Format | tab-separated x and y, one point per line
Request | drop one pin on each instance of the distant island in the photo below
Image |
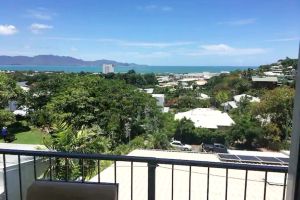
54	60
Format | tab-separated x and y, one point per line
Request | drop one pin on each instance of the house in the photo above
21	111
272	73
23	85
12	106
201	82
168	84
149	90
264	82
203	96
239	98
166	109
229	105
160	98
207	118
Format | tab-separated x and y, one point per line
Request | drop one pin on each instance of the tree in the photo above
65	138
222	96
113	105
276	107
245	131
159	141
6	118
8	90
185	130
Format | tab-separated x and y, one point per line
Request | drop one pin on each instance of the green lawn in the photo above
34	136
24	134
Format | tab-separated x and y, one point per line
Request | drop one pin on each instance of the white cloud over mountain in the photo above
239	22
41	14
38	28
224	49
8	30
153	7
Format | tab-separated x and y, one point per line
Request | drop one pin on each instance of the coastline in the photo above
123	69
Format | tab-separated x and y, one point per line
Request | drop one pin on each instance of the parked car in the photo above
178	145
216	147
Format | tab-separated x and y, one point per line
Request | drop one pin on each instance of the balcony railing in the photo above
43	165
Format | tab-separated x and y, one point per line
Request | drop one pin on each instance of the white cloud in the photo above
156	54
126	43
239	22
223	49
155	44
166	8
73	49
153	7
39	28
284	39
41	14
8	30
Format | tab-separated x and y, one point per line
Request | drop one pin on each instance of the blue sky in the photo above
159	32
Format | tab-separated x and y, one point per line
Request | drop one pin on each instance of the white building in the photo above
160	99
149	90
23	85
265	79
206	118
108	68
229	105
12	106
201	82
203	96
239	98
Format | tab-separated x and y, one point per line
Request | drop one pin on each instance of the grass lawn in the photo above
26	135
34	136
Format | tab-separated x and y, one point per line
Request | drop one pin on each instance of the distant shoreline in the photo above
123	69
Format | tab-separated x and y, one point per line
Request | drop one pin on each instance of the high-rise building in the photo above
107	68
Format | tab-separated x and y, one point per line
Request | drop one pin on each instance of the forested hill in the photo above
54	60
287	62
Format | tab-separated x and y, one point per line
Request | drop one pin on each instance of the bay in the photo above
122	69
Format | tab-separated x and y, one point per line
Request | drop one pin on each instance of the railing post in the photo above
151	180
293	187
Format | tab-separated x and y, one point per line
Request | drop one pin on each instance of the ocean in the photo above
121	69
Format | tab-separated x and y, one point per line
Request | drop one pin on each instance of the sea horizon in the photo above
165	69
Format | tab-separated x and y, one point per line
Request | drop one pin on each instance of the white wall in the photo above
27	175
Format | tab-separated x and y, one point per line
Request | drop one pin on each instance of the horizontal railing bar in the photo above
241	166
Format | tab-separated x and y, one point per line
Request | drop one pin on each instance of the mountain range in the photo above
55	61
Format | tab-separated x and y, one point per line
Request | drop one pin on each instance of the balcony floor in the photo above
236	179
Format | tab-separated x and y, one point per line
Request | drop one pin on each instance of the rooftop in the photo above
206	117
264	79
232	104
158	95
238	98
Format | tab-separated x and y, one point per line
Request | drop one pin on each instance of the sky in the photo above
158	32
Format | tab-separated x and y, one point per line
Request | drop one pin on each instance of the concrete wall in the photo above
27	176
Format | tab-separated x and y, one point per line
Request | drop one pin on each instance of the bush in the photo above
201	135
6	118
187	133
40	118
160	141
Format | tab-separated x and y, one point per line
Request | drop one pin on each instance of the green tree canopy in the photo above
276	107
113	105
8	90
